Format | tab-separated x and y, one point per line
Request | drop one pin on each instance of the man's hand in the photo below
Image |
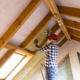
36	41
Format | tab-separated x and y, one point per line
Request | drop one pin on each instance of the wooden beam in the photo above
63	59
21	50
6	57
36	31
74	32
19	22
72	24
75	38
60	35
53	8
62	42
55	28
68	11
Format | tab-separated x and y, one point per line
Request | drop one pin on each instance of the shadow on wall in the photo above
78	56
65	72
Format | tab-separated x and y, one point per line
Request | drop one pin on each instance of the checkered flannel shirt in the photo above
51	54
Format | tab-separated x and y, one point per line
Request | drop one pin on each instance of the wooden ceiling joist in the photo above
21	50
74	32
72	24
5	58
75	38
54	10
19	22
60	35
36	31
62	42
68	11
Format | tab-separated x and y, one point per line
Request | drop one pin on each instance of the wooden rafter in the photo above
62	42
60	35
53	8
5	58
72	24
75	38
19	22
11	46
74	32
68	11
36	31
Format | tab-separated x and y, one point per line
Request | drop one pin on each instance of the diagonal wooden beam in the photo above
5	58
62	42
60	35
72	24
19	22
74	32
52	6
68	11
36	31
21	50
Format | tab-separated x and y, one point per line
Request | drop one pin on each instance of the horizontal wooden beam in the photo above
72	24
6	57
74	32
75	38
21	50
19	22
62	42
52	6
68	11
36	31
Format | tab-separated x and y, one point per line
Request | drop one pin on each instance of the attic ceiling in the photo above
24	20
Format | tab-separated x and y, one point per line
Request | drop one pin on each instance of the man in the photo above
51	54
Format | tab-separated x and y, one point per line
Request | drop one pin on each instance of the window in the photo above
11	65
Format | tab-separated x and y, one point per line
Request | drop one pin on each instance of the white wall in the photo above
71	47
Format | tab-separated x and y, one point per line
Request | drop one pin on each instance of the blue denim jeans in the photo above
51	73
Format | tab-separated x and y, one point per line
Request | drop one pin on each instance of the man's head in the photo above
52	38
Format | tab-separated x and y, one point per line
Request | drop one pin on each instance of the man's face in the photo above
52	41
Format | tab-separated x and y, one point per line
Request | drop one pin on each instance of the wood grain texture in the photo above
19	22
68	11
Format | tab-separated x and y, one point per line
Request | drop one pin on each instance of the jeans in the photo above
51	73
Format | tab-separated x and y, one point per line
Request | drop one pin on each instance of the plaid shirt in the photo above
51	54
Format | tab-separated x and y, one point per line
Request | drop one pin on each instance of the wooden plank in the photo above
19	22
60	35
21	50
68	11
72	24
62	42
36	31
75	38
6	57
52	6
74	32
63	59
55	28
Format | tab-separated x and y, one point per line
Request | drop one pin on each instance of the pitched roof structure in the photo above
22	21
